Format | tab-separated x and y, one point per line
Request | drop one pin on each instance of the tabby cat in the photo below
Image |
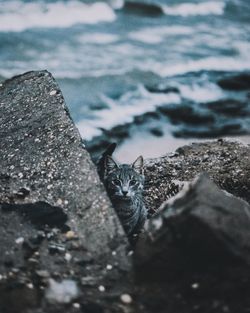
124	184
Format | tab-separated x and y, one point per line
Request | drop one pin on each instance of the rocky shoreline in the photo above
206	120
63	248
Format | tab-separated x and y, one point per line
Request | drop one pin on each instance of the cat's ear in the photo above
138	165
110	164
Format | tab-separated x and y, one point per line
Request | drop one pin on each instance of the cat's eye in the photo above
116	182
132	182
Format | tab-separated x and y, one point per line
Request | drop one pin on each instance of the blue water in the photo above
104	57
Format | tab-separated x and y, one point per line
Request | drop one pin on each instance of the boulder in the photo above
237	82
202	227
142	8
226	162
56	219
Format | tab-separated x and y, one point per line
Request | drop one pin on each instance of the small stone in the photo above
70	235
43	273
53	92
61	292
195	286
76	305
126	298
101	288
68	257
20	175
59	201
109	267
30	286
19	240
54	248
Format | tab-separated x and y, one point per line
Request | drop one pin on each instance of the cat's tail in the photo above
101	161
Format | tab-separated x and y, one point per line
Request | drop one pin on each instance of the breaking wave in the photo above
17	16
189	9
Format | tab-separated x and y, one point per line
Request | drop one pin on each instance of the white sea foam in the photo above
116	4
129	105
239	62
157	34
201	92
18	16
98	38
190	9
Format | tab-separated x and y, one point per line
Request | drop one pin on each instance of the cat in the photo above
124	184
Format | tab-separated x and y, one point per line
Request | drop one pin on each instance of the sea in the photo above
149	75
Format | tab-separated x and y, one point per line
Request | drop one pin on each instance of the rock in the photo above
48	187
226	162
187	115
160	89
156	131
229	107
62	292
40	141
201	228
144	9
215	131
237	82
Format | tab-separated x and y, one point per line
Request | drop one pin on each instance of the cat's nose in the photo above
124	192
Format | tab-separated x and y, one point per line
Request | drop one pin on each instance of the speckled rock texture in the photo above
227	163
201	227
56	219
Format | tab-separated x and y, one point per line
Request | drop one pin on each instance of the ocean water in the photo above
129	75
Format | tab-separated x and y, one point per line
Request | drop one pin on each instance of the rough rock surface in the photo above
56	219
226	162
194	254
62	248
203	225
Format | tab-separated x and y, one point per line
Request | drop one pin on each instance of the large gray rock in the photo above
226	162
202	227
48	186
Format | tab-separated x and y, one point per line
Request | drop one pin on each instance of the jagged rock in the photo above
229	107
162	89
202	227
226	162
186	115
49	185
237	82
144	9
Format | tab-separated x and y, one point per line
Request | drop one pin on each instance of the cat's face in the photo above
124	181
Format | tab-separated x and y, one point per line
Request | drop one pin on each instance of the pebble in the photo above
101	288
30	286
70	235
195	286
126	298
68	257
109	267
59	201
53	92
76	305
19	240
43	273
61	292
